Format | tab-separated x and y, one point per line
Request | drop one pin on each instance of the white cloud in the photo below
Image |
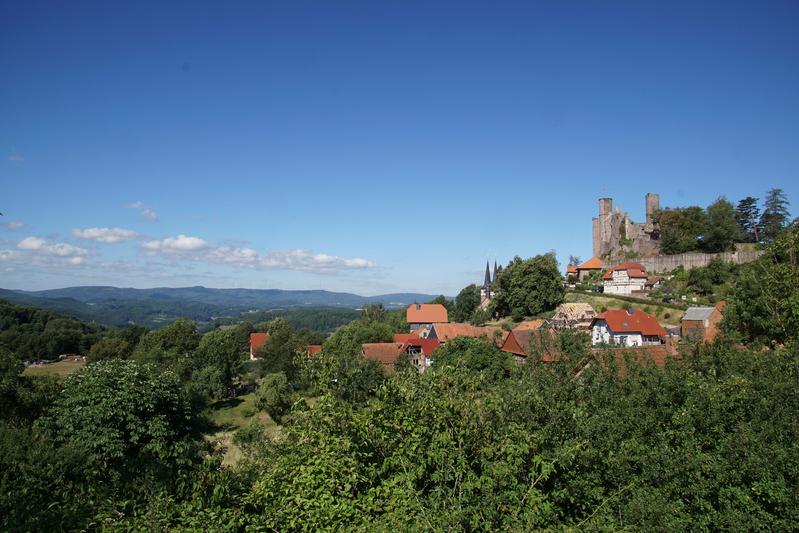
44	247
197	249
14	225
181	243
145	212
105	235
16	158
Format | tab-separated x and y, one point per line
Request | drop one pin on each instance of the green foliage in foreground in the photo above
709	442
707	445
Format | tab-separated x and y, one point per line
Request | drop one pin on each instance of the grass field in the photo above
664	315
61	368
230	415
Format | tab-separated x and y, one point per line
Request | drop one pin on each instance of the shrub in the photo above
274	396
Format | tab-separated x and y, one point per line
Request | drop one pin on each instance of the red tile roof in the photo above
383	352
521	341
448	331
403	337
594	263
426	314
634	270
313	349
571	269
427	346
257	340
620	321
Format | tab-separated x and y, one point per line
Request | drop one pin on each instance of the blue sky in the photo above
371	147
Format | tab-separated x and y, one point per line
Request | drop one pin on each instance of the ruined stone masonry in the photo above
616	238
614	233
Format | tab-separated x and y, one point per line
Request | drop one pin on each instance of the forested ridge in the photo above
590	441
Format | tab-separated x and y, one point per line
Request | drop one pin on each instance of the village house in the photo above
256	341
523	343
418	349
313	349
625	279
573	315
448	331
701	323
385	353
592	265
626	327
423	315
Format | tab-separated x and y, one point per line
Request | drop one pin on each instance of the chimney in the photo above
418	306
630	310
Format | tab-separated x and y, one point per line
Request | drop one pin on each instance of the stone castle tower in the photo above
614	233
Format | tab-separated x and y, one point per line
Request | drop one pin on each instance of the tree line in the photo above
719	226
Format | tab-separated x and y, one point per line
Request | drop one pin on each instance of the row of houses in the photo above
614	328
626	278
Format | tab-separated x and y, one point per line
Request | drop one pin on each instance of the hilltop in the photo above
116	306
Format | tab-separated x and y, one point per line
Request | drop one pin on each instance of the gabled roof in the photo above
594	263
634	270
426	313
449	331
621	321
571	269
520	342
427	346
313	349
574	309
404	337
383	352
698	313
257	340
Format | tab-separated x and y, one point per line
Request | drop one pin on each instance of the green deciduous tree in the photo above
169	344
275	396
529	286
681	229
472	355
223	351
465	303
763	305
277	354
109	348
723	230
126	416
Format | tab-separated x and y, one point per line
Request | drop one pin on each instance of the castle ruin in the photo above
615	234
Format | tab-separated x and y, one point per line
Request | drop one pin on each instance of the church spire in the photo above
495	271
487	282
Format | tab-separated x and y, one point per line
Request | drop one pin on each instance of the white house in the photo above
622	327
625	278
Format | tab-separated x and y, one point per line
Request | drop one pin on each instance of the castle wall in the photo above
667	263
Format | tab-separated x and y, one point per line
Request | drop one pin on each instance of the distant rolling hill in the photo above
117	306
